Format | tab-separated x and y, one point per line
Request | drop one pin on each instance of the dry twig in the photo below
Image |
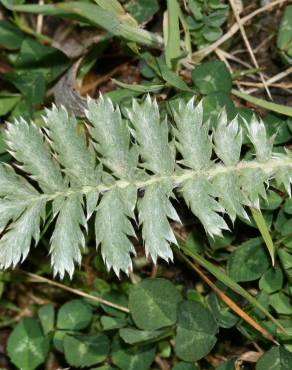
40	19
227	300
247	44
201	54
271	81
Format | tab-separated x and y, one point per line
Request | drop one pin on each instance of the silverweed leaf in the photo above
115	170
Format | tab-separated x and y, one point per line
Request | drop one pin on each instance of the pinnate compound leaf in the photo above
27	346
113	168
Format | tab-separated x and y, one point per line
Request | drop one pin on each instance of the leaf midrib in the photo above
176	179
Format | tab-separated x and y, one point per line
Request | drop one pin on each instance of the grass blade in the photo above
226	280
227	300
94	15
278	108
143	89
172	34
263	228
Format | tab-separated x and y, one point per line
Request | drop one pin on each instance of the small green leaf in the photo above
27	347
249	261
58	339
286	262
86	350
212	33
196	330
153	304
49	61
8	102
214	103
171	77
46	316
286	228
276	125
134	336
220	242
74	315
10	36
272	202
164	348
30	83
111	323
227	365
132	358
288	206
284	38
272	280
23	109
212	77
142	10
224	317
281	303
277	358
195	8
229	282
118	298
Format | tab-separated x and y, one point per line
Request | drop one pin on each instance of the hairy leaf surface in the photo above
128	172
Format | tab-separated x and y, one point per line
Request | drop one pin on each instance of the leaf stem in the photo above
177	178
